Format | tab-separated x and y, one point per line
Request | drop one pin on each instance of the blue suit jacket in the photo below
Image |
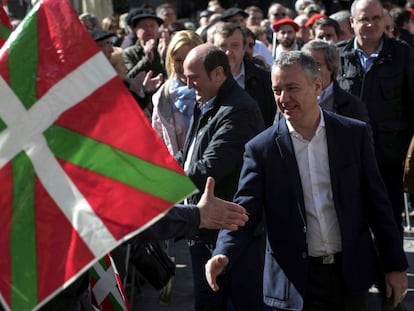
270	182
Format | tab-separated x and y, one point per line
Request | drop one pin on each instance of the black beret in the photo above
99	34
137	14
232	12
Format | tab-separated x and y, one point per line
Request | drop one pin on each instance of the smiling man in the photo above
224	119
314	179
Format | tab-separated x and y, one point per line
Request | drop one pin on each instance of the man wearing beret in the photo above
145	55
131	37
285	30
104	40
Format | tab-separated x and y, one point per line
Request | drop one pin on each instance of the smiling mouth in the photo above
288	108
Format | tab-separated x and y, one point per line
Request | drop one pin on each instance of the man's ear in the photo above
351	21
318	85
217	74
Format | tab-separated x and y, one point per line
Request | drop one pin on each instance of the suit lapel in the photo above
335	156
287	153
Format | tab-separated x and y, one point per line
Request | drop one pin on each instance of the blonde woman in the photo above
174	102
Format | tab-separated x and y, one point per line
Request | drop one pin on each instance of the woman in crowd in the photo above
174	102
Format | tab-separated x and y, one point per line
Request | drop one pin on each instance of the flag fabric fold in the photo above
80	166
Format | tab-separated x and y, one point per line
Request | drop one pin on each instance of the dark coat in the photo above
222	131
270	183
387	89
136	61
348	105
232	120
258	85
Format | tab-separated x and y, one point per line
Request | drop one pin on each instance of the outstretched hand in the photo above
216	213
214	267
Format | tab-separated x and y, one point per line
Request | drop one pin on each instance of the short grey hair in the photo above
306	62
329	51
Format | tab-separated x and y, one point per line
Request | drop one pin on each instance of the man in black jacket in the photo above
231	38
380	71
332	97
225	118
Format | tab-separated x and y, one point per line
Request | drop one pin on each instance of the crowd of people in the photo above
303	115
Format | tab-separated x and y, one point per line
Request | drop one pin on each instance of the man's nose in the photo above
284	96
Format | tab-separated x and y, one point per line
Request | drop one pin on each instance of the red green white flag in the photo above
80	167
107	289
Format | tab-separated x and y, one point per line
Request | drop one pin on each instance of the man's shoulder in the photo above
265	137
342	95
233	94
340	120
345	46
392	45
133	49
252	70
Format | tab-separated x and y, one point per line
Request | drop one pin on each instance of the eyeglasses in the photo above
250	45
279	14
370	20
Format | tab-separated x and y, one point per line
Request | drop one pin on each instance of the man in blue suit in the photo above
315	177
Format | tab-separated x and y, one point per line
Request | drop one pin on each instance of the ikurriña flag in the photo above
108	292
5	26
80	167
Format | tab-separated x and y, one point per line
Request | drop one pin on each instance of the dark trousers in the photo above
205	299
326	290
392	175
241	287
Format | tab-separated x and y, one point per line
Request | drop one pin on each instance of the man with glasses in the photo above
380	71
276	11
